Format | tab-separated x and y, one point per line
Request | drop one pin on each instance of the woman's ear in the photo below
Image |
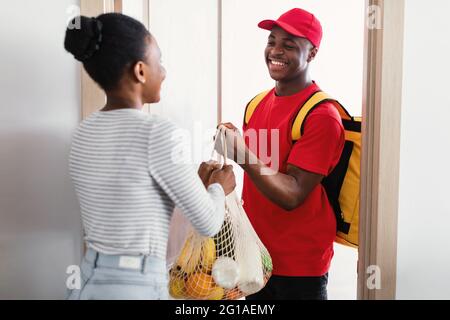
139	72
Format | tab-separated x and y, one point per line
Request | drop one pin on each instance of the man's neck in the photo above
288	88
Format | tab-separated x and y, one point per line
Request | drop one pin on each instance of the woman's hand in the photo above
205	170
225	177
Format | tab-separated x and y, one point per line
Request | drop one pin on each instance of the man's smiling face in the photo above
287	56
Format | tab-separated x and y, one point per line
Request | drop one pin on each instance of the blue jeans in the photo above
107	277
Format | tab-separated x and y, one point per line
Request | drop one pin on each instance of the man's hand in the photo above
236	147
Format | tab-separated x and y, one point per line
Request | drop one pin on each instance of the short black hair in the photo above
107	45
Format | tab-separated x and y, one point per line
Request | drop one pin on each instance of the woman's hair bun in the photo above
107	45
83	37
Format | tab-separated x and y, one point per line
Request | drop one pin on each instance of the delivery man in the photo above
283	196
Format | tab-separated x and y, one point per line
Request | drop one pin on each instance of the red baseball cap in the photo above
299	23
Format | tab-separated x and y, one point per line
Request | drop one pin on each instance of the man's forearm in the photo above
282	189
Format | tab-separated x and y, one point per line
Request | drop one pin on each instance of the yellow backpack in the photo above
342	184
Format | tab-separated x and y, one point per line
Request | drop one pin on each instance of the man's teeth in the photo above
277	63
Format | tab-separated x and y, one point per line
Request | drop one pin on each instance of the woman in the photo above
128	169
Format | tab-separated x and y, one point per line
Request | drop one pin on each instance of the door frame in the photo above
380	154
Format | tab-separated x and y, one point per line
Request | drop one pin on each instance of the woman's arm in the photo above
175	174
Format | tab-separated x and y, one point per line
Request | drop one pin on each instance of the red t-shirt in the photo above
299	241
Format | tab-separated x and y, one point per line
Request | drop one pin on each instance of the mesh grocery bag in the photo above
231	265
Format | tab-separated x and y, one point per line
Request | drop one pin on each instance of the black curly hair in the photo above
107	45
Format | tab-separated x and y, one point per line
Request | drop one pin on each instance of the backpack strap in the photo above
314	101
251	106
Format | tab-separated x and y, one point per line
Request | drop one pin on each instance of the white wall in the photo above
424	210
40	106
186	32
135	9
338	69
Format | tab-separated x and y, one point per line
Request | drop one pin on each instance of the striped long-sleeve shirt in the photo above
130	170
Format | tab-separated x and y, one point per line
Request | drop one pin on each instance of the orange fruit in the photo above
199	285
